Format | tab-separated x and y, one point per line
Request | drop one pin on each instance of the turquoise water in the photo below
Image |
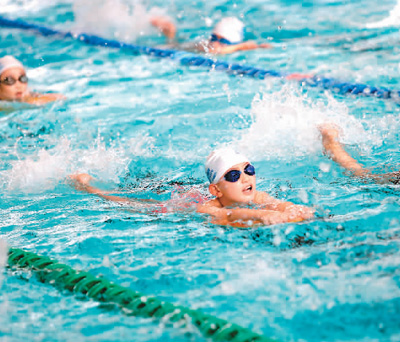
143	127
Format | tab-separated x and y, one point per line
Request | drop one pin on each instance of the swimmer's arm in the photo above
81	182
39	99
336	151
222	49
165	26
296	211
236	216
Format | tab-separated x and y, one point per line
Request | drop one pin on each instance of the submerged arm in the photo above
236	216
298	212
218	48
82	182
39	99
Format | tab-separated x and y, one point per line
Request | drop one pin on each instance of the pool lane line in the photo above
192	59
132	302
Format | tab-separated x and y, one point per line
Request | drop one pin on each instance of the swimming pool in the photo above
143	126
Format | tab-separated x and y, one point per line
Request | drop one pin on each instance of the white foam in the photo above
114	18
24	6
285	124
44	170
392	20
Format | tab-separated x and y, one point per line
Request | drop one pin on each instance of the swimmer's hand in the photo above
165	26
329	132
265	46
298	77
296	214
81	179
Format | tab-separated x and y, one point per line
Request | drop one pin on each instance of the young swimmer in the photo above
227	37
335	150
14	84
233	183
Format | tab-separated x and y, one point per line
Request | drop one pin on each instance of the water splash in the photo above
392	20
115	18
285	124
24	6
49	167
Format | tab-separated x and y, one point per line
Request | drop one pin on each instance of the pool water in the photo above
143	127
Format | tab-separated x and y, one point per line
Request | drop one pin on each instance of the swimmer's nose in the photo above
244	177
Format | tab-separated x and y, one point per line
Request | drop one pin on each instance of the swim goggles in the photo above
11	80
215	38
234	175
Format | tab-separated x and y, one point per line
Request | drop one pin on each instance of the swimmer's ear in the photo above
214	190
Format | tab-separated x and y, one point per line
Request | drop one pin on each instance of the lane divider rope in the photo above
192	59
132	302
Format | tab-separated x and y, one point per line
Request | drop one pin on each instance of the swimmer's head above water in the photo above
13	80
228	31
232	177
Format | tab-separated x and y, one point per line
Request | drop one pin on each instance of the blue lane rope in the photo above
191	59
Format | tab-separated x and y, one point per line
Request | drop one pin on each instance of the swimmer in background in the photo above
336	151
227	37
14	84
233	183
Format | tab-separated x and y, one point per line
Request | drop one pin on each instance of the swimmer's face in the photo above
242	191
15	91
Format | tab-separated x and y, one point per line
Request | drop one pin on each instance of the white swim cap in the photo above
8	62
231	29
221	160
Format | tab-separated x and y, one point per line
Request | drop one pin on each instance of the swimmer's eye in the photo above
11	80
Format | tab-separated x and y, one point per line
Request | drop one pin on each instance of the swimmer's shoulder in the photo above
209	206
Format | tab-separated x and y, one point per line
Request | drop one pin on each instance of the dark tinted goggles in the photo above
234	175
11	80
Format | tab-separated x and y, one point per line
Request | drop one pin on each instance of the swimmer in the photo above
233	183
14	84
336	151
227	37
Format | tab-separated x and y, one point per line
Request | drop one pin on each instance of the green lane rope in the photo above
132	302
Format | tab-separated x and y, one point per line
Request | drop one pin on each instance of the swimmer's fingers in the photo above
306	212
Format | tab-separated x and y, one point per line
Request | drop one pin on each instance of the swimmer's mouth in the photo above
249	188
